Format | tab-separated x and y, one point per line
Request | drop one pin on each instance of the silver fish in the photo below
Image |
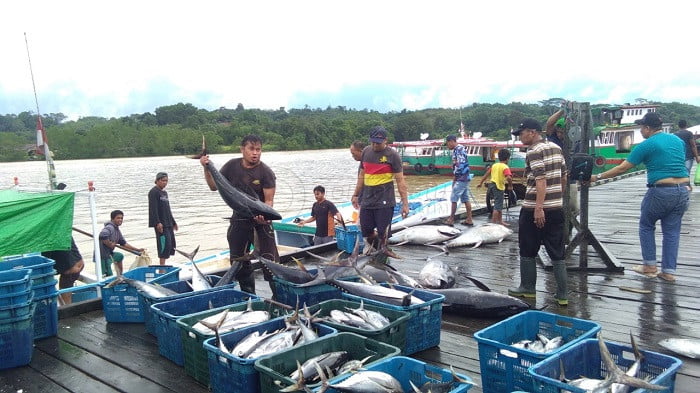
377	320
424	235
682	346
436	274
330	360
199	280
152	290
249	343
274	343
482	234
378	292
368	382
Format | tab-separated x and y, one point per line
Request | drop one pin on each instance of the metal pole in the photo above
585	140
95	229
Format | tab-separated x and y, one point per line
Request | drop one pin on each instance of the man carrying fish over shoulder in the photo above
251	176
541	220
380	165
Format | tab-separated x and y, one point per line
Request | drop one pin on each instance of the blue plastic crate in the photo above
194	355
407	370
38	263
45	316
122	303
14	281
41	279
504	368
583	359
278	366
346	239
288	292
81	293
17	310
230	373
16	341
423	327
183	289
12	299
165	317
46	289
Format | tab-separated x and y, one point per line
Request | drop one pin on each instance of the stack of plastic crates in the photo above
43	283
16	318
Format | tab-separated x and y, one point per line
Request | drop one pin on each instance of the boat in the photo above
618	137
433	157
430	203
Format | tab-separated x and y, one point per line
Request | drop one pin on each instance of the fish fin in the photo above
204	149
326	259
414	387
190	255
637	354
478	283
118	280
189	284
299	384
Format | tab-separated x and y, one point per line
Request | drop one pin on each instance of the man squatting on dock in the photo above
541	220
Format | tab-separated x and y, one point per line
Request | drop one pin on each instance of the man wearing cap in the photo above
666	198
555	126
460	183
380	165
111	237
541	220
161	219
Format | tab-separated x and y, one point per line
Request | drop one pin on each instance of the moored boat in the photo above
431	157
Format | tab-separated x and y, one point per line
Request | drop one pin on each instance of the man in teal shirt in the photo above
667	196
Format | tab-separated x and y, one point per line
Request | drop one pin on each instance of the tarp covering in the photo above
35	221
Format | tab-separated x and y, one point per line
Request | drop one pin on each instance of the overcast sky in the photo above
116	58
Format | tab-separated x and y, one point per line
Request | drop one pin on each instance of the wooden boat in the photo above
431	157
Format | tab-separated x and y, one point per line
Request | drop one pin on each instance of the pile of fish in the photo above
450	236
152	290
334	363
359	318
616	380
227	320
259	343
541	344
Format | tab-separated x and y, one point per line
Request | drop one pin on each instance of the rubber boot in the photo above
272	288
560	276
528	279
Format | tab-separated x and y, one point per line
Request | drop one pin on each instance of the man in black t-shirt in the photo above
323	211
691	149
252	176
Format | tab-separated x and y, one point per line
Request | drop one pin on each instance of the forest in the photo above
177	129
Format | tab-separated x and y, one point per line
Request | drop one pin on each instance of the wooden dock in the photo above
90	355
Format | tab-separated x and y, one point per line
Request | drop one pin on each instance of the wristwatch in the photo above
598	176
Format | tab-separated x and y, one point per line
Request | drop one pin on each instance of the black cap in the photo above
651	119
527	124
451	138
161	175
377	134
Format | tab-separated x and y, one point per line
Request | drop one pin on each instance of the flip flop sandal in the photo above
640	269
667	277
469	224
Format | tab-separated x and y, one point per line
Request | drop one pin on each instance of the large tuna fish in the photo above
424	235
481	304
484	233
436	274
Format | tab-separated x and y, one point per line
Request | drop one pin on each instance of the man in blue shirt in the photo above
667	196
460	184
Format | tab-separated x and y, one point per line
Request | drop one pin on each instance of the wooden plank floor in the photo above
91	355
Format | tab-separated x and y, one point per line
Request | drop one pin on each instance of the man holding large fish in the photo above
380	165
249	175
541	220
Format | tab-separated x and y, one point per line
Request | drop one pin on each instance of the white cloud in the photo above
118	58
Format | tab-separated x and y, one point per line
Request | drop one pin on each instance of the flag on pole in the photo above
41	140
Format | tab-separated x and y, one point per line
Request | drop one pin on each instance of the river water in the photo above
123	183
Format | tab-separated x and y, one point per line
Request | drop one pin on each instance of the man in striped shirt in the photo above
541	219
380	165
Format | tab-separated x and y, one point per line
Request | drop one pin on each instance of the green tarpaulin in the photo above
35	221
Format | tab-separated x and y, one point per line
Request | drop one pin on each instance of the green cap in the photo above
561	123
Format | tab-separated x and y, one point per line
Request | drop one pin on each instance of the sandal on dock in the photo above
469	224
667	277
641	270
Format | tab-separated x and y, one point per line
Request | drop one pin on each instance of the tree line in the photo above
178	129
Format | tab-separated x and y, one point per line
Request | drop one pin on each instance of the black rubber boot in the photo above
561	277
528	279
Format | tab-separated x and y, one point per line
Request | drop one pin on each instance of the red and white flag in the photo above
41	140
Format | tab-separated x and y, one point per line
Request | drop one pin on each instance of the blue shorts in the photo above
497	199
460	190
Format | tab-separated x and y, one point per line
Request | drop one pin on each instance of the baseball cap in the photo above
161	175
651	119
377	134
451	138
527	124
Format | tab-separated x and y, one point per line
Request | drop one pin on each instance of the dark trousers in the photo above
241	235
530	237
